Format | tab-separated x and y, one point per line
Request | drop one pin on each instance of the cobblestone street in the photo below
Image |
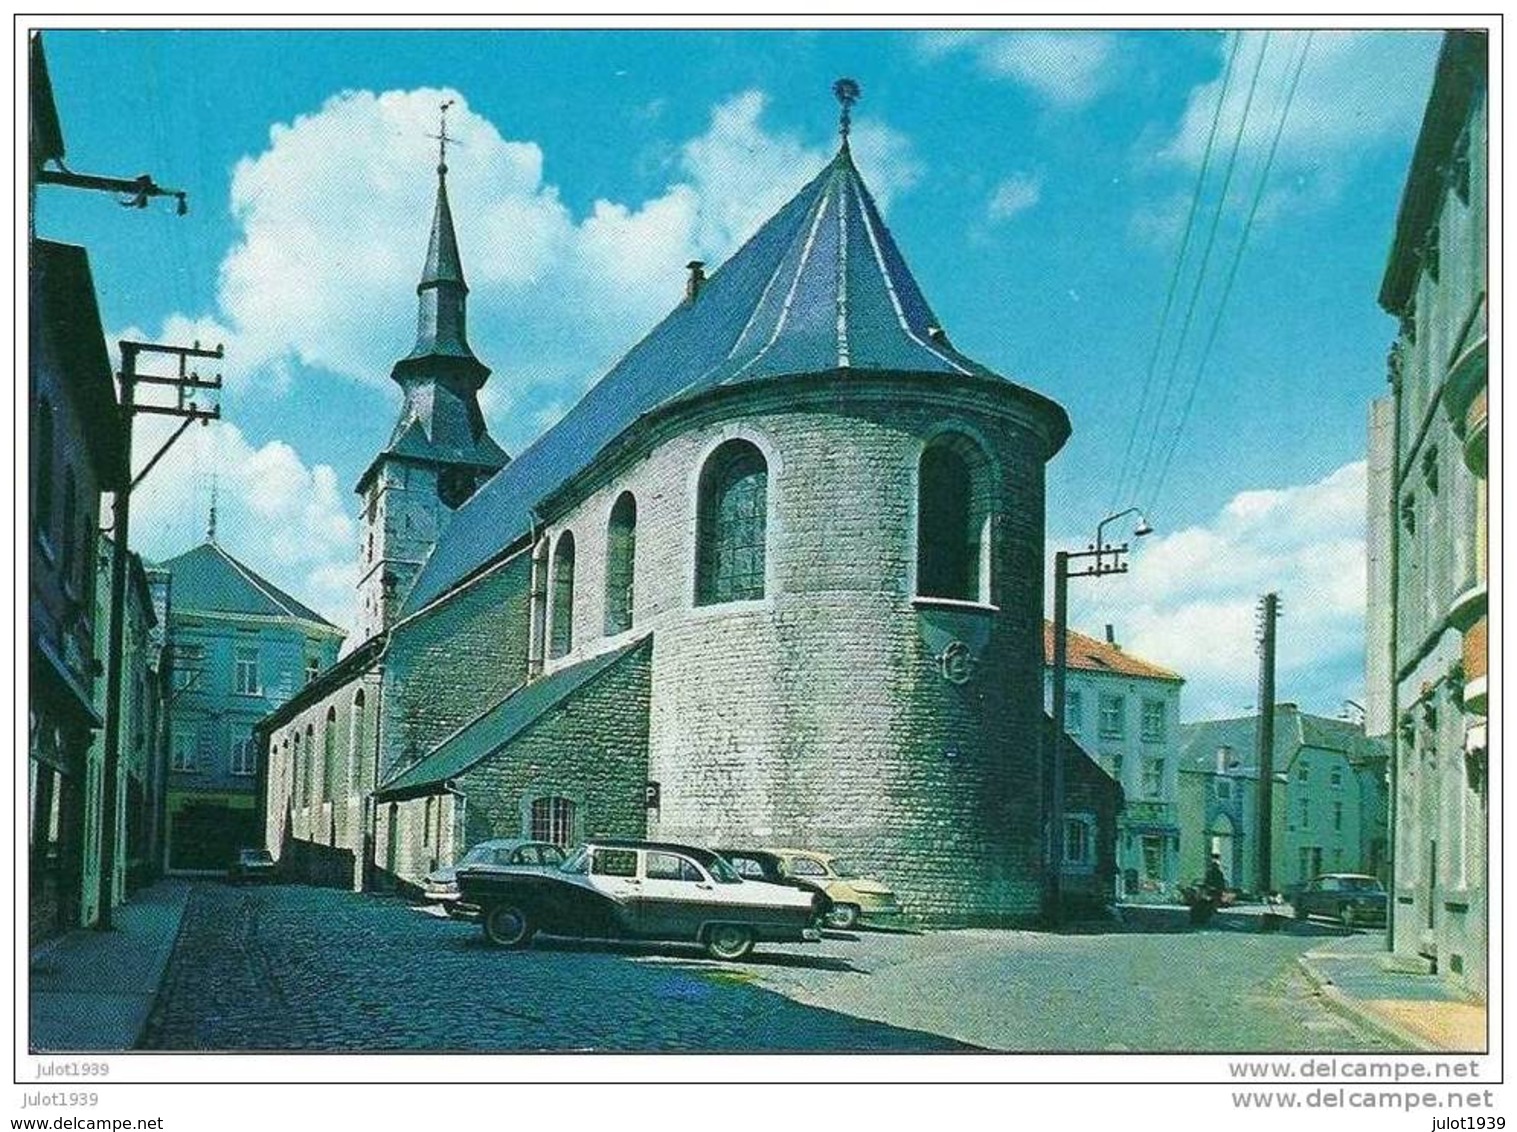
297	968
291	968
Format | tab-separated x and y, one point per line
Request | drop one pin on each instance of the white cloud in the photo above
286	519
334	214
1015	194
1189	601
1357	88
1064	68
333	220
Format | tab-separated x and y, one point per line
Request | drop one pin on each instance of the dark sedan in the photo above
647	890
253	865
1352	899
441	886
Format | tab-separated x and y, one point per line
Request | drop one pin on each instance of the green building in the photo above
1329	804
240	648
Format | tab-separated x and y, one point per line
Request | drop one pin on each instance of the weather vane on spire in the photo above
443	140
847	92
210	528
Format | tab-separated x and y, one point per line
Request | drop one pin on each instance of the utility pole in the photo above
1269	613
1107	560
186	383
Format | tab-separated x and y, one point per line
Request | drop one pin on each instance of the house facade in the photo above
76	451
1428	609
240	647
1329	806
142	740
1125	711
776	578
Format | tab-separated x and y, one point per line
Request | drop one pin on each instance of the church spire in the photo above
441	321
847	93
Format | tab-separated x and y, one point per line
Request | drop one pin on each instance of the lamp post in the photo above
1106	560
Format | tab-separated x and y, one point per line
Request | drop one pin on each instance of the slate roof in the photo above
209	580
821	287
1091	655
487	734
1294	729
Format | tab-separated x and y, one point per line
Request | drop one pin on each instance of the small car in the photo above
253	865
761	864
1353	899
441	884
643	890
853	895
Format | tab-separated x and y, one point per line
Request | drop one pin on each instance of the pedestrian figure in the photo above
1215	883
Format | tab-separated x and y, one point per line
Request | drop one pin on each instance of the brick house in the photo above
777	577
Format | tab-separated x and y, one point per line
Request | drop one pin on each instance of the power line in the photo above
1211	239
1232	274
1174	277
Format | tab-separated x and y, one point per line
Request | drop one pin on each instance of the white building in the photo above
1125	711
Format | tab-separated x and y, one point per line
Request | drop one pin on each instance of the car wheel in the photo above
843	916
1347	915
507	925
729	941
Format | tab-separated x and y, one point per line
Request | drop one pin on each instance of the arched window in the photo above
731	517
357	745
297	772
563	596
953	521
43	475
329	756
311	769
621	556
537	630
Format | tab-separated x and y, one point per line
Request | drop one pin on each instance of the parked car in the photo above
761	864
649	890
853	895
441	885
253	865
1350	898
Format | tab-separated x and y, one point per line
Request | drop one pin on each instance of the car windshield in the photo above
578	862
1361	884
722	871
479	855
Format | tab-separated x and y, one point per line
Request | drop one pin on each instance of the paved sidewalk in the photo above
93	990
1425	1011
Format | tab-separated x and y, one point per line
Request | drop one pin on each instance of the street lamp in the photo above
1100	567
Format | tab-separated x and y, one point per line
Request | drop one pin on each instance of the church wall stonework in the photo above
450	663
820	715
592	751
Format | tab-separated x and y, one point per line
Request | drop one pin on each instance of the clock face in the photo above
454	486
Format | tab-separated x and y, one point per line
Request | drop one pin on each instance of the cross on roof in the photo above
847	92
443	140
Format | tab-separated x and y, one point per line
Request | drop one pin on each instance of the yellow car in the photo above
853	896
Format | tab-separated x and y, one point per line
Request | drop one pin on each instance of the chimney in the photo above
696	281
1111	636
1223	754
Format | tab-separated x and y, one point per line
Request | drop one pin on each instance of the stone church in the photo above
776	579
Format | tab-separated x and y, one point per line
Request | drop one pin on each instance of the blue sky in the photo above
1038	184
